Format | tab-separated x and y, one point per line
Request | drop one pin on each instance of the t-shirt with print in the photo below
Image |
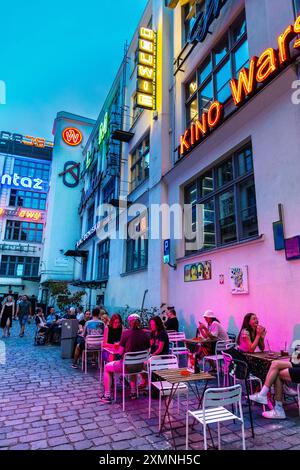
135	340
161	337
217	330
94	327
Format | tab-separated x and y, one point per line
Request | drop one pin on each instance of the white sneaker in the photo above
289	391
263	399
276	413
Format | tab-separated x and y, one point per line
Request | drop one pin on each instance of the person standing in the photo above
6	316
23	312
172	323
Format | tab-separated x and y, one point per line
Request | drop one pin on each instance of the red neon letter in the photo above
244	84
201	127
267	64
284	44
184	145
214	114
297	31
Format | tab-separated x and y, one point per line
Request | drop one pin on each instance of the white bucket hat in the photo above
133	316
209	314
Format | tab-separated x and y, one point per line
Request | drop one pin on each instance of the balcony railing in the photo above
18	247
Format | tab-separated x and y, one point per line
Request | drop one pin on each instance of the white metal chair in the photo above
93	343
133	364
214	410
176	337
218	357
164	388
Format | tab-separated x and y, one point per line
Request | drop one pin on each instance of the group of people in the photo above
11	310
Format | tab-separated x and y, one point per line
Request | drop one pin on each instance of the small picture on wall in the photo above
239	279
198	271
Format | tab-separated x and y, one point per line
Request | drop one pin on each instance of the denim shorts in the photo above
23	319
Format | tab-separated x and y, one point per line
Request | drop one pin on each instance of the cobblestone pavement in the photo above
45	404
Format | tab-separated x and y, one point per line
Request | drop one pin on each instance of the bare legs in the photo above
275	370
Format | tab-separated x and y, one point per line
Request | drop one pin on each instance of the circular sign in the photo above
72	136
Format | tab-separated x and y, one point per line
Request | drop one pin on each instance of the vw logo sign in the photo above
72	136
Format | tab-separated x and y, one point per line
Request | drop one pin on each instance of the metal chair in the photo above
214	411
217	357
176	337
164	388
298	390
93	343
133	364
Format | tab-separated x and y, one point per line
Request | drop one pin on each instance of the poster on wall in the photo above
197	272
239	279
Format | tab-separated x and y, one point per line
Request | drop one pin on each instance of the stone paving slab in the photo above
45	404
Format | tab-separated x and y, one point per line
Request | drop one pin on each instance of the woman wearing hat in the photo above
213	332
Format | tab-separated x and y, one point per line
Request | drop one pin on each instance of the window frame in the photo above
39	197
137	161
235	185
15	261
103	255
17	226
130	247
233	47
32	169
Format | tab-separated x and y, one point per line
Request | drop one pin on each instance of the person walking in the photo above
23	312
6	316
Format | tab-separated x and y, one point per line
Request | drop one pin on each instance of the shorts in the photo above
116	367
80	342
23	320
295	374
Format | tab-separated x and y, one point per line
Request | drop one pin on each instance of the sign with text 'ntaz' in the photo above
16	181
146	70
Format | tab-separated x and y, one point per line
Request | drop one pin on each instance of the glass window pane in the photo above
225	173
204	71
241	57
192	112
221	50
245	162
248	214
191	194
207	184
209	224
191	87
206	96
239	29
227	218
223	78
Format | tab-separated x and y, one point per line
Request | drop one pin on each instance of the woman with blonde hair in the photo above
6	315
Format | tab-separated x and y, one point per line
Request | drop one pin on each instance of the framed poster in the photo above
197	272
239	279
292	248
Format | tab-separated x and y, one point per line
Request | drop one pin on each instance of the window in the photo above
212	79
103	259
139	170
227	193
109	191
90	217
28	199
297	6
137	244
24	231
19	266
32	169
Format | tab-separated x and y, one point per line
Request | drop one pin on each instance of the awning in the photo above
76	253
91	284
122	136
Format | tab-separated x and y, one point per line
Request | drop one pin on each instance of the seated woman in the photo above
80	339
213	332
41	323
252	335
159	343
279	372
111	339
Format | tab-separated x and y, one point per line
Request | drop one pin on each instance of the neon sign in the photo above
26	139
26	182
146	70
22	213
261	70
72	136
103	129
203	21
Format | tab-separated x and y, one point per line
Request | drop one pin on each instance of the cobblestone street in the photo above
45	404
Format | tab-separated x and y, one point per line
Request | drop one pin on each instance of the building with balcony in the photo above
25	167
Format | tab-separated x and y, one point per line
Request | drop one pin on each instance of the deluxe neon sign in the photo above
261	70
26	139
17	181
22	213
146	81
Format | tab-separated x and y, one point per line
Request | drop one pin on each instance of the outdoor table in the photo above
260	362
176	377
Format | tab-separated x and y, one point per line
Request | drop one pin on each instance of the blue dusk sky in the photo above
60	55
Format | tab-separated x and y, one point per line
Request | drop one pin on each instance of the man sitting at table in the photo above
213	332
172	323
133	340
280	372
